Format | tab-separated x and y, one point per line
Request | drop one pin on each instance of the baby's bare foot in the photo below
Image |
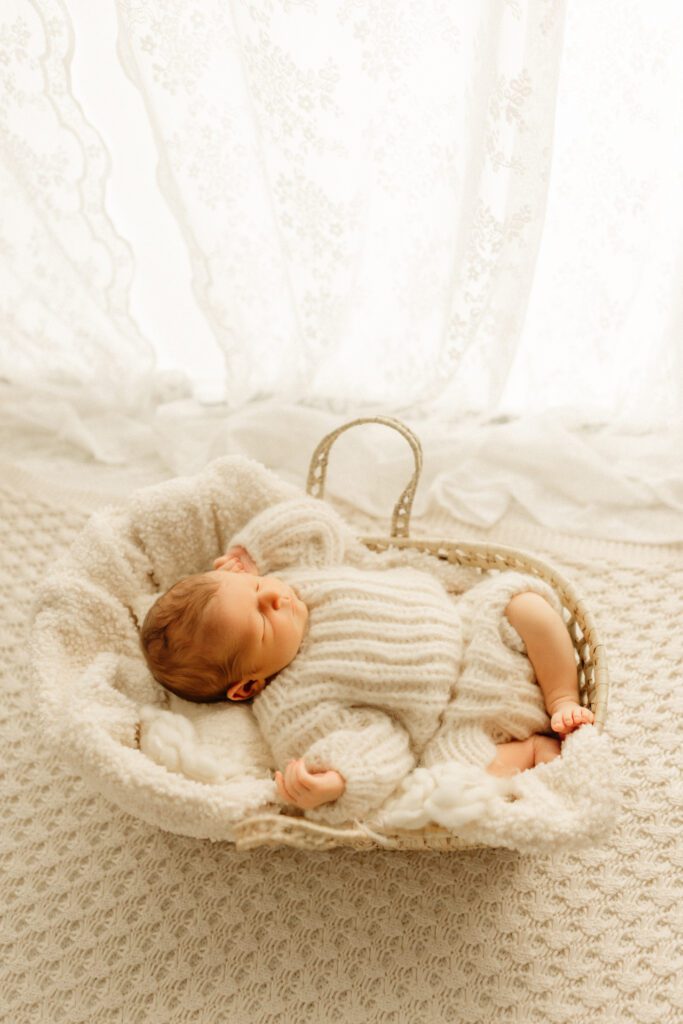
567	715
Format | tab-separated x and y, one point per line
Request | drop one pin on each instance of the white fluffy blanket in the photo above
568	803
196	770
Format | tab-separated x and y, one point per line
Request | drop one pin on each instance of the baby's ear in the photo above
245	689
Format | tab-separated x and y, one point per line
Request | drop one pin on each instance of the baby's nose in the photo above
272	595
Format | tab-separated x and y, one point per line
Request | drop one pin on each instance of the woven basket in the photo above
293	829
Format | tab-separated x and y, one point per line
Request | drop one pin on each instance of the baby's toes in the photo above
562	721
557	723
569	720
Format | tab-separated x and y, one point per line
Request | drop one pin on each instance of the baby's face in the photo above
263	614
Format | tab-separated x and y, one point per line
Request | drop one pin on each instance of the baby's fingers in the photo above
230	563
282	789
296	778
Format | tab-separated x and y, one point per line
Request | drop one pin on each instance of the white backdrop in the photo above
465	215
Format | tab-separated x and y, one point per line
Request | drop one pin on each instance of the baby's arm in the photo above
304	531
371	753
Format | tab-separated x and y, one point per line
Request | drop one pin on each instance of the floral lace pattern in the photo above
64	271
361	192
361	187
603	327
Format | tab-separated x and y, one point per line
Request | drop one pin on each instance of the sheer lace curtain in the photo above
467	215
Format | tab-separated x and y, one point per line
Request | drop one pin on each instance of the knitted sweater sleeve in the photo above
371	751
300	531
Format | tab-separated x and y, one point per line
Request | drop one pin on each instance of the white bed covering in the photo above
109	919
109	719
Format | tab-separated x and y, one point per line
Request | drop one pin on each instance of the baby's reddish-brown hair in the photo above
171	642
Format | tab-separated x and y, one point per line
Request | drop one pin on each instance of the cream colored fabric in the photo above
370	708
378	662
90	673
357	698
108	919
91	678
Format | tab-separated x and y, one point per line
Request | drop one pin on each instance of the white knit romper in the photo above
497	697
393	671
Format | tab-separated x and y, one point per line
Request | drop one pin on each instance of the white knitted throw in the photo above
109	920
364	704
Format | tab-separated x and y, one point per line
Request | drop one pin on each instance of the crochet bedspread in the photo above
108	919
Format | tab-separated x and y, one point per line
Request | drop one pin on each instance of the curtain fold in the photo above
361	188
422	209
65	272
604	327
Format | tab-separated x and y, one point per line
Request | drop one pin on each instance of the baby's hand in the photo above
307	789
236	559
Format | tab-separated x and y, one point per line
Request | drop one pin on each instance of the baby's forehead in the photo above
243	583
223	610
235	585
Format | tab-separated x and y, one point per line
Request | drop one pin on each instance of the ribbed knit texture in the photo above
92	682
365	691
376	667
497	696
383	680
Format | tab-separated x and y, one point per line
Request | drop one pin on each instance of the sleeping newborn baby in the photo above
359	669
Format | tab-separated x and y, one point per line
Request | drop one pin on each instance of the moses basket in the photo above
93	681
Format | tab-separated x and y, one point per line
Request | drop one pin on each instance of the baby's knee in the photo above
515	756
546	748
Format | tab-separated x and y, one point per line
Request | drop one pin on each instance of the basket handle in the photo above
317	471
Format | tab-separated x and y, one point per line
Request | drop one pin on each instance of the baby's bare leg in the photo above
518	755
551	653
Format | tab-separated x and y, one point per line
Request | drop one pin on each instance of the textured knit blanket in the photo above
113	723
107	919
